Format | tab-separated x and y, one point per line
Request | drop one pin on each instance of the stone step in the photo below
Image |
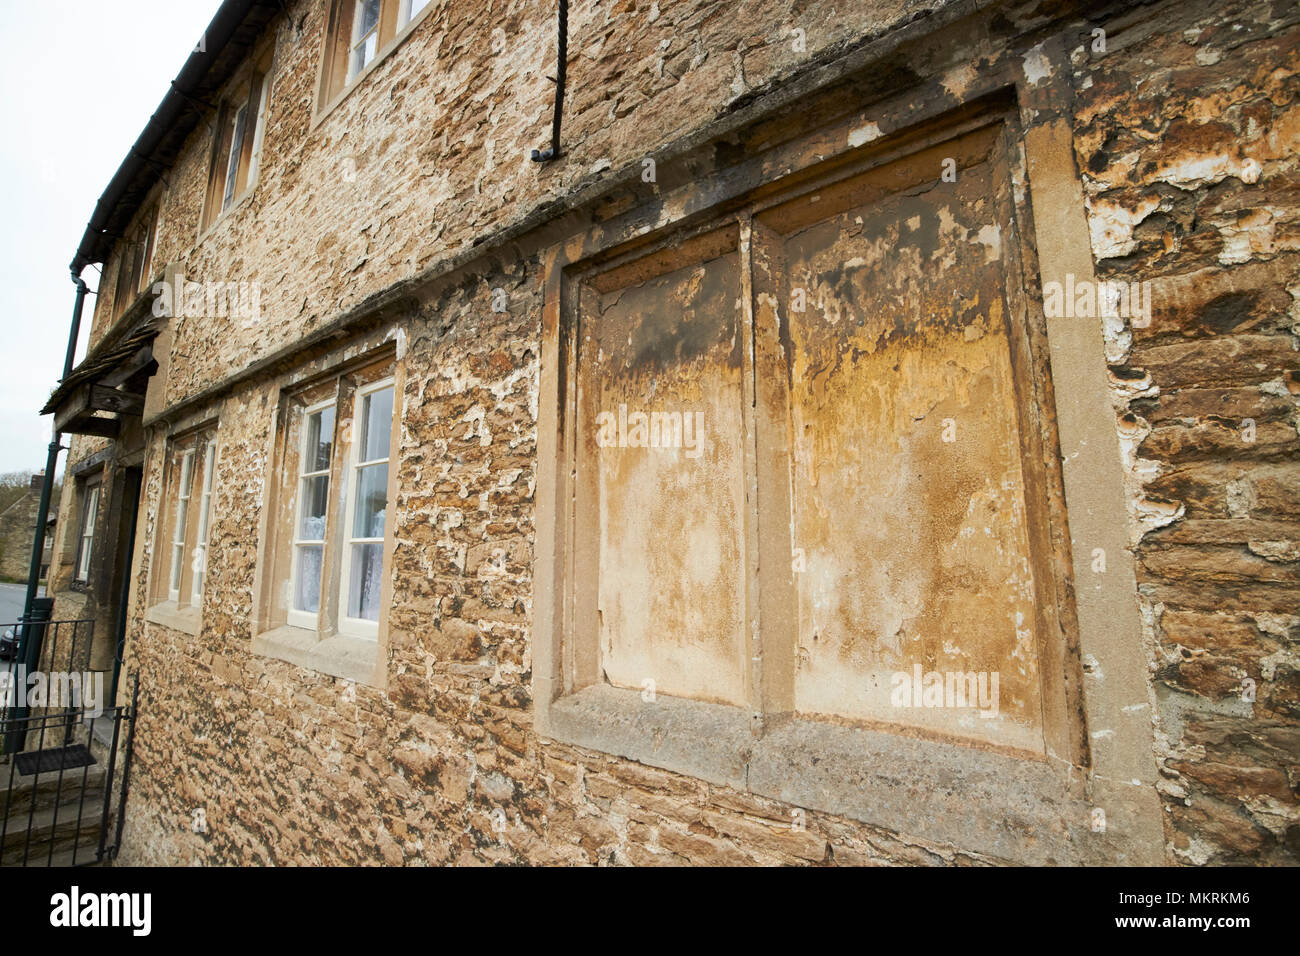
45	790
83	856
56	827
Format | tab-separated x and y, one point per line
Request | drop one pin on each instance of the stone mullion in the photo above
336	511
775	628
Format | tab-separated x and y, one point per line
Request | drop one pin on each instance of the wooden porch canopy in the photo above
107	386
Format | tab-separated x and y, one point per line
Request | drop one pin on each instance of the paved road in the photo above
12	597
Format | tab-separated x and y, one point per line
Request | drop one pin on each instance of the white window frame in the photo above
180	525
89	515
358	38
294	616
409	10
259	132
360	627
151	244
247	122
239	124
200	556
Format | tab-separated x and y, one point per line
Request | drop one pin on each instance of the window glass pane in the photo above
262	95
412	7
315	495
320	441
199	565
372	502
137	262
376	425
181	521
232	163
306	590
151	235
367	581
365	36
367	16
88	533
124	292
364	53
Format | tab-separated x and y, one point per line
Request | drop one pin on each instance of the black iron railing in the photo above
63	747
37	661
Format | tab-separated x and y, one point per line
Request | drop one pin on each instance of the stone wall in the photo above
1188	132
1185	137
17	526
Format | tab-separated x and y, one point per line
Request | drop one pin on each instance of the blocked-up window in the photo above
664	472
360	33
804	481
910	498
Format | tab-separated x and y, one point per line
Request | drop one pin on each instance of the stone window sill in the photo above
343	656
238	203
170	614
1026	810
324	110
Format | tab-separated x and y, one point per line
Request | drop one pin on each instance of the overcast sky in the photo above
78	81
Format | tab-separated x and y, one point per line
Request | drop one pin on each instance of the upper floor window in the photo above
135	261
237	147
360	33
365	36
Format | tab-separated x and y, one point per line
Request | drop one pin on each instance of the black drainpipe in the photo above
36	611
545	156
52	460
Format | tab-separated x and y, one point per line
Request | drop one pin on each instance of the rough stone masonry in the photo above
1128	485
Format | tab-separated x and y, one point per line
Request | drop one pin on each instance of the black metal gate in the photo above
66	755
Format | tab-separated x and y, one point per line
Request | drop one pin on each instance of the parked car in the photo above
9	645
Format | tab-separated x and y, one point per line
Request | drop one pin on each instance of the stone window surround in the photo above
106	315
86	471
360	659
330	94
180	613
1030	811
260	64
